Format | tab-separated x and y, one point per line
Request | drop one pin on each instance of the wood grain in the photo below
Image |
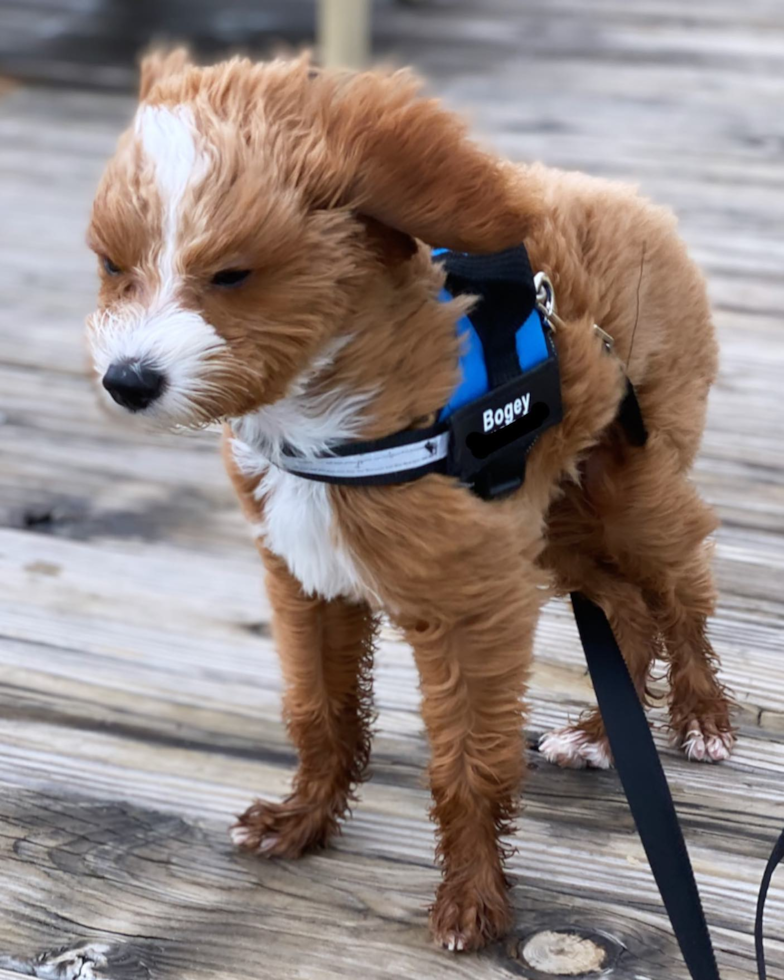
139	689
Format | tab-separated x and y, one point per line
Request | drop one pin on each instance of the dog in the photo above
264	238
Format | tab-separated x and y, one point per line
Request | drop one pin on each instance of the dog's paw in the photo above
573	748
701	742
466	917
287	829
251	839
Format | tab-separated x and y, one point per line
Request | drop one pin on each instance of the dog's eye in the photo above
227	278
111	268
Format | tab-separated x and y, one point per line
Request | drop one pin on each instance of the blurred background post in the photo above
344	33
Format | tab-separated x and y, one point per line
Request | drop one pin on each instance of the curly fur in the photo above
329	187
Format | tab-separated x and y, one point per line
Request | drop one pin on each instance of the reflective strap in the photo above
376	462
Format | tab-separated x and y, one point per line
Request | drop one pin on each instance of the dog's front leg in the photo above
473	671
326	655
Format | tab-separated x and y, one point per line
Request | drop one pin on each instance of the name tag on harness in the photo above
498	418
498	430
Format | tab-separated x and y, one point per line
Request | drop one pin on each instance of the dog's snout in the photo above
133	385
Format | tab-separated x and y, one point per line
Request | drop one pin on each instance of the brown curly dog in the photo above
263	236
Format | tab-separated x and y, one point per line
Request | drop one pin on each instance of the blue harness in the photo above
509	391
530	346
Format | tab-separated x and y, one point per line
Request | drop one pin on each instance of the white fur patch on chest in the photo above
299	523
299	527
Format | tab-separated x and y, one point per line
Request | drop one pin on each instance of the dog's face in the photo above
241	213
219	280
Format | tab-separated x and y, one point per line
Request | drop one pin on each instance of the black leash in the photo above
650	801
775	859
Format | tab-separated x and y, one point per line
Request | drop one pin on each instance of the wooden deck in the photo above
139	690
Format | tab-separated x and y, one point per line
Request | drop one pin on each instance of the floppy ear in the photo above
159	64
408	163
393	247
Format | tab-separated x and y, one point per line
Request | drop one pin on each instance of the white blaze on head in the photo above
173	340
168	138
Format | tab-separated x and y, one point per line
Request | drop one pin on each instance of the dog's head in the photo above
245	208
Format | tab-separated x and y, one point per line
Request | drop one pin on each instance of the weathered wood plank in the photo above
119	692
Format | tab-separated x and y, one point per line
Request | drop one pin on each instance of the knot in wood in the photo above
563	954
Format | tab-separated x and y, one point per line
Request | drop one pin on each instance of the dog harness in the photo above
509	390
508	395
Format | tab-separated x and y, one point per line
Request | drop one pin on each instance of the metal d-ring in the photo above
545	294
545	300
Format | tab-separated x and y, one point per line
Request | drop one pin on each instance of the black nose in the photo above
133	385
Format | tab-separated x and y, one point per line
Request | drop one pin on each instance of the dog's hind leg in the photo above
326	655
699	704
655	527
583	744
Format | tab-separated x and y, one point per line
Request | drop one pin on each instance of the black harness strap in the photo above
630	417
504	286
650	801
